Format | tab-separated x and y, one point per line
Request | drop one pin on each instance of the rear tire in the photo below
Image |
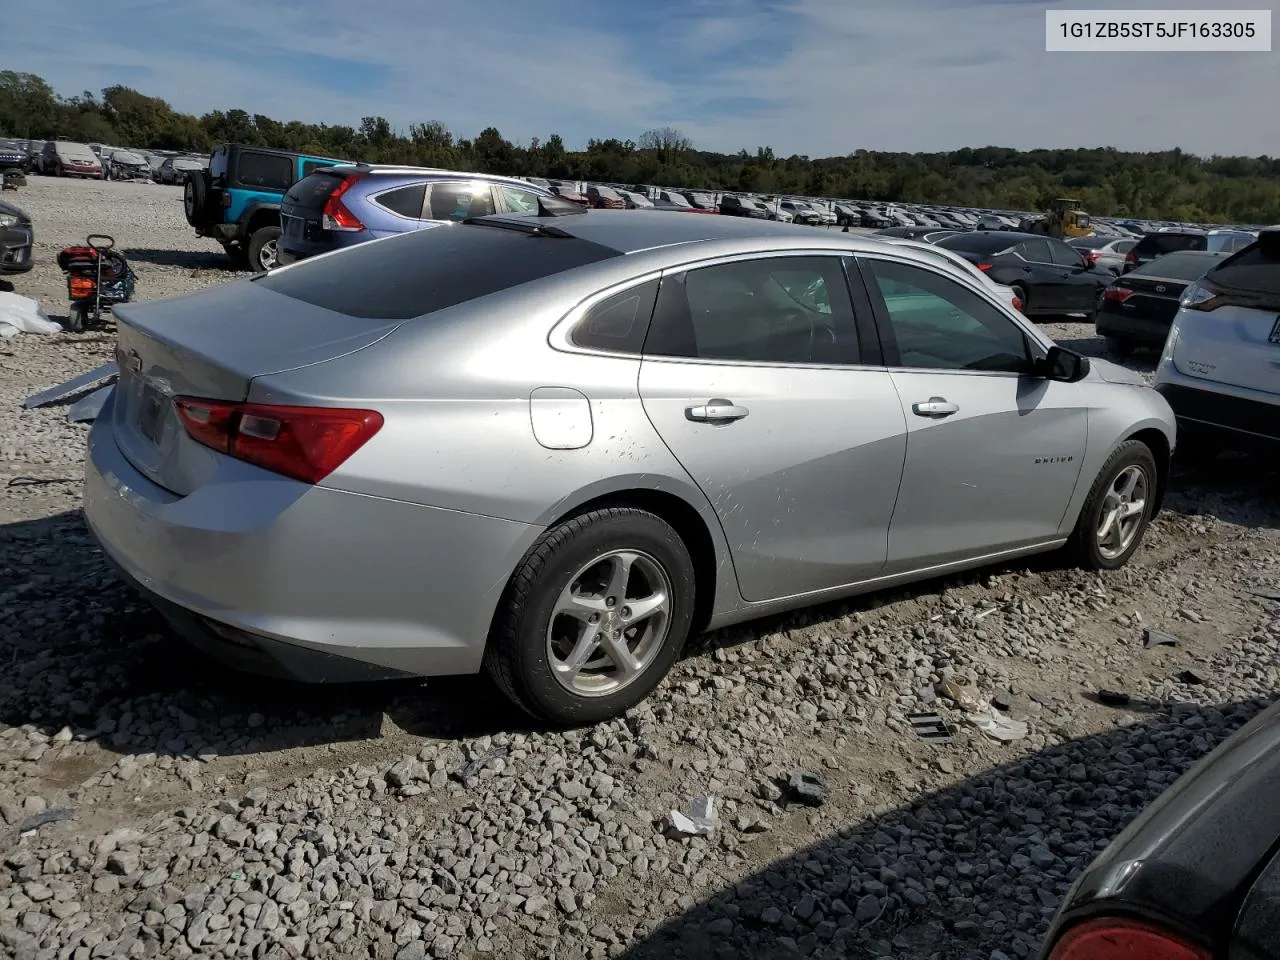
76	318
1129	476
1119	348
578	566
262	249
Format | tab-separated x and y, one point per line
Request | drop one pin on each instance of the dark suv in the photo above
237	199
1172	241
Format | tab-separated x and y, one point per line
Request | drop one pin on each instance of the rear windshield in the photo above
1090	243
1154	244
976	242
1255	269
313	191
1177	266
418	273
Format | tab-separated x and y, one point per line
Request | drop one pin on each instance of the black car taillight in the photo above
1118	938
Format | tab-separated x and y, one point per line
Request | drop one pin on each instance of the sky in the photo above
812	77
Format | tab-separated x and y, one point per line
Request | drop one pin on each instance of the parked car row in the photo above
66	158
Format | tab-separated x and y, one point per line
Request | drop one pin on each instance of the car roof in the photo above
392	170
629	231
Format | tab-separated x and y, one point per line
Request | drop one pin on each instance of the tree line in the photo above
1167	184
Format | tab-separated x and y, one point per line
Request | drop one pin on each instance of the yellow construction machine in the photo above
1064	219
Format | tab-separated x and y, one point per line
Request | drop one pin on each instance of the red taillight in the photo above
984	266
1017	303
306	443
1093	257
1130	257
1118	939
336	216
1118	294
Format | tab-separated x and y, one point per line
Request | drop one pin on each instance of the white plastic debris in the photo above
698	820
998	726
23	315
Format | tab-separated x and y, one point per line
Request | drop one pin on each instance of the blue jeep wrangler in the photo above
237	199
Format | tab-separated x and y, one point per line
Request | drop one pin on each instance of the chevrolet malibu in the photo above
552	445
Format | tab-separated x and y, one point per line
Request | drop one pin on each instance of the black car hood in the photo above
1184	862
18	212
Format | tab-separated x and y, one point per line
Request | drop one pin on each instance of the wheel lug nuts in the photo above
626	611
611	602
594	618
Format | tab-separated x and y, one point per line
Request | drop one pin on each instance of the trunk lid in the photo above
1153	298
213	344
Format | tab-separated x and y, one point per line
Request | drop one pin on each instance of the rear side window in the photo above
311	166
405	201
618	323
421	272
265	170
458	201
1124	246
1154	244
1065	255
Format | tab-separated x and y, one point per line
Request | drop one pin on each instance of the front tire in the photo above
1118	509
593	617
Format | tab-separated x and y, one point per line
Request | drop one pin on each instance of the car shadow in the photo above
86	651
969	872
89	654
190	259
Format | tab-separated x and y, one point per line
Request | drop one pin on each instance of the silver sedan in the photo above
553	446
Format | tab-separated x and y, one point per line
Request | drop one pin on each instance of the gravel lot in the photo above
152	804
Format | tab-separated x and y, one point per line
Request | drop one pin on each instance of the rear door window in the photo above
458	201
265	170
404	201
769	310
1035	251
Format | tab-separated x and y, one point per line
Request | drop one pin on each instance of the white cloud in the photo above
819	77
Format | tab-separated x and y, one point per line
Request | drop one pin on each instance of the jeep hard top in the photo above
237	199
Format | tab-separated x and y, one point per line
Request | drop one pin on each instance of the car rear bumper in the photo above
312	583
1112	323
1195	406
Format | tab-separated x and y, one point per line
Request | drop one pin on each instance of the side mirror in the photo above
1063	366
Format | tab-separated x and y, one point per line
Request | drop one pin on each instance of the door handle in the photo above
716	410
935	407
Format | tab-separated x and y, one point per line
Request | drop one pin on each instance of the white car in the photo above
1002	291
1220	370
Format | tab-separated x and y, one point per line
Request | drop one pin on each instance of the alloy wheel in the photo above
1123	507
609	623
